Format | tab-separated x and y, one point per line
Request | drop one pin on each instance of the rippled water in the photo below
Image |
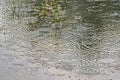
87	48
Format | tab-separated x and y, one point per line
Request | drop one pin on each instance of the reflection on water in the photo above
87	48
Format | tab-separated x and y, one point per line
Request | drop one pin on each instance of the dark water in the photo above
86	48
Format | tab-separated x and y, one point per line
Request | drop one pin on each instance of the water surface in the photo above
87	48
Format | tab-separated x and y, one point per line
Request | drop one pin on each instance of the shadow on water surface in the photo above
94	17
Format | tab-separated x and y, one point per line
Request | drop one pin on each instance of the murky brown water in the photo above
87	49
